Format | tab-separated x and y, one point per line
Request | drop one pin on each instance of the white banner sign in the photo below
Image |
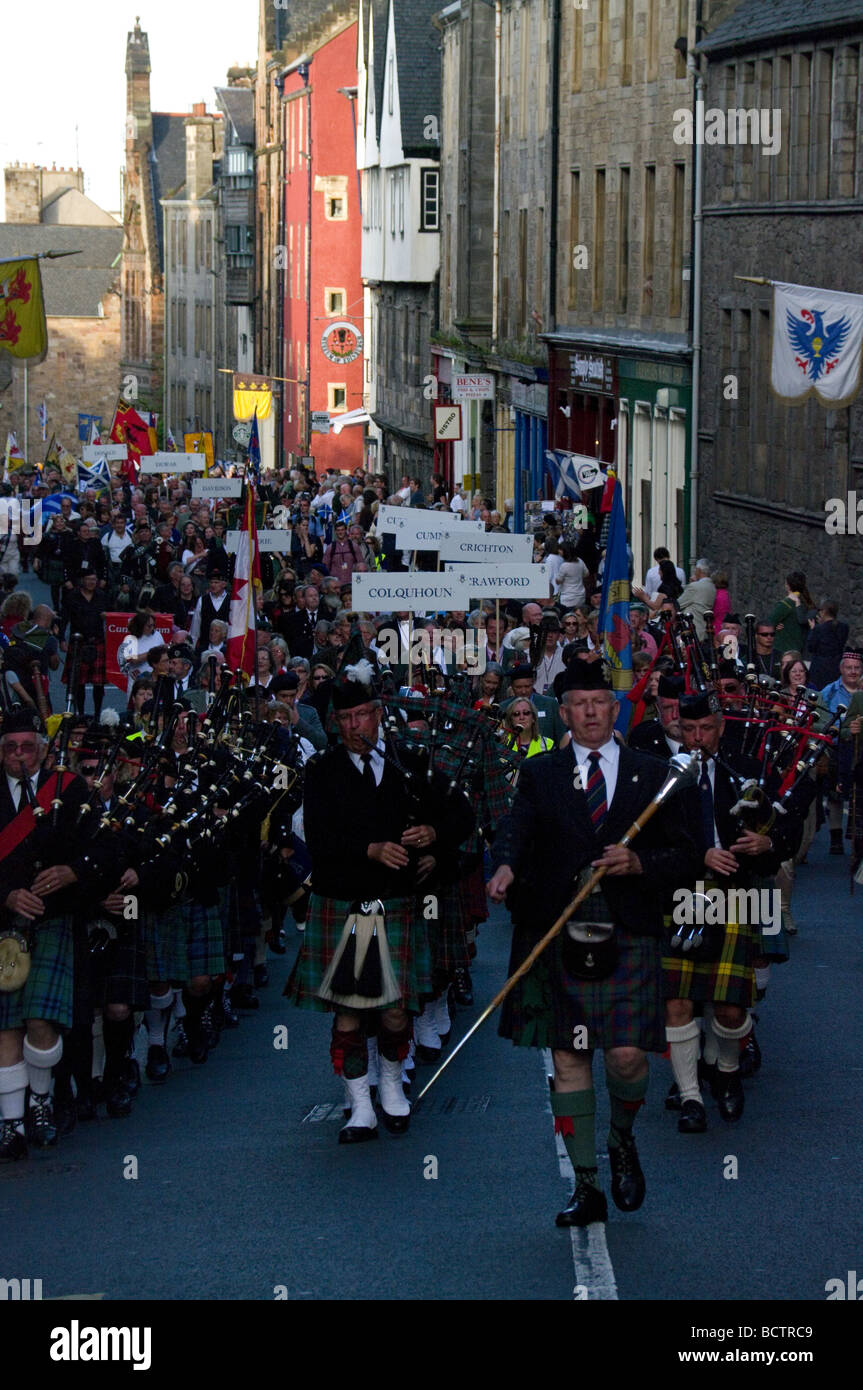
502	581
217	487
817	340
165	462
475	386
517	549
92	453
404	522
268	542
409	593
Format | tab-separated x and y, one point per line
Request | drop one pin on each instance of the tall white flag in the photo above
817	340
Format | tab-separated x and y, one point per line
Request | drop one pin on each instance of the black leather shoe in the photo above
65	1115
693	1117
396	1124
708	1074
729	1095
357	1135
462	987
242	997
262	976
427	1054
12	1144
198	1048
39	1122
181	1046
627	1180
587	1203
230	1018
158	1064
119	1102
750	1057
672	1100
131	1075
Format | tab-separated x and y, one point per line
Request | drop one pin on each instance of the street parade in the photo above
430	858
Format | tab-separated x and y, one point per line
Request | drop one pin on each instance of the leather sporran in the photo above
15	959
589	944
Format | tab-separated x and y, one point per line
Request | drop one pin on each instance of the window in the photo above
524	72
334	302
337	397
574	223
429	212
602	45
402	180
623	243
652	40
577	48
677	219
598	237
391	82
522	271
336	208
392	179
649	248
682	32
626	55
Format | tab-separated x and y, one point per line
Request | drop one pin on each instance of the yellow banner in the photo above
200	443
251	393
23	330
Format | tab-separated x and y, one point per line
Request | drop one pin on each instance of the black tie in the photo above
707	817
24	792
368	774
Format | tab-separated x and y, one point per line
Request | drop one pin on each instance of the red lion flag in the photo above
128	428
242	642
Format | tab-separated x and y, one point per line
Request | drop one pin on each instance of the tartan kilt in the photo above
48	991
120	973
472	890
164	945
447	939
204	939
547	1004
407	939
89	672
724	978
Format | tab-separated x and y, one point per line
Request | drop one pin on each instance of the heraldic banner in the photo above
23	330
817	338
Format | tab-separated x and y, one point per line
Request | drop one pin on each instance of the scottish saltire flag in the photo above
817	341
51	505
613	626
95	435
241	645
560	466
99	475
255	451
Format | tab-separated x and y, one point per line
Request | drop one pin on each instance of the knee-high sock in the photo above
728	1040
349	1053
627	1098
13	1090
683	1044
195	1006
39	1063
762	976
575	1121
157	1017
711	1042
118	1034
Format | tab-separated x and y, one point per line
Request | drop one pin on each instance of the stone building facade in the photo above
767	468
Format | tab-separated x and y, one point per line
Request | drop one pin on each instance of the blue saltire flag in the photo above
560	468
255	451
613	626
99	475
51	505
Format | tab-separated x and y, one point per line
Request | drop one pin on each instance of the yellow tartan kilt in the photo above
726	978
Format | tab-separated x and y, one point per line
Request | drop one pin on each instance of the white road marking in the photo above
591	1260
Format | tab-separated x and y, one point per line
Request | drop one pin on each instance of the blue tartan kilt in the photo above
408	947
546	1006
165	945
119	974
205	939
48	991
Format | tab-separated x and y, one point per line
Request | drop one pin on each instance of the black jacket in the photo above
47	846
298	629
342	817
649	737
548	838
825	644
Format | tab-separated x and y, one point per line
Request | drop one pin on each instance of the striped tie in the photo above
596	792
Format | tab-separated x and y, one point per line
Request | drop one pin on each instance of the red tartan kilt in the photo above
89	672
472	889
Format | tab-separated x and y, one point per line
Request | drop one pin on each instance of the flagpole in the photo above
755	279
27	410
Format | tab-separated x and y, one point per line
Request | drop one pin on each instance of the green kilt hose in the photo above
407	939
547	1004
724	976
48	991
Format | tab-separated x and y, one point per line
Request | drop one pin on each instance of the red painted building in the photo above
322	310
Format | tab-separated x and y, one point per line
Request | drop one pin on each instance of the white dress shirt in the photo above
377	763
609	760
15	788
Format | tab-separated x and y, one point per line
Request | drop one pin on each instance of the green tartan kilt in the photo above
407	939
48	990
447	936
185	940
726	977
547	1005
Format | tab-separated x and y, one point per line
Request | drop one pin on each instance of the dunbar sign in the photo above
410	593
518	549
502	581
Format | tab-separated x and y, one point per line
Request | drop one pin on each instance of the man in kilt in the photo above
365	953
571	807
47	873
719	976
84	615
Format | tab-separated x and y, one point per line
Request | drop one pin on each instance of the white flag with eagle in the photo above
240	649
817	340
